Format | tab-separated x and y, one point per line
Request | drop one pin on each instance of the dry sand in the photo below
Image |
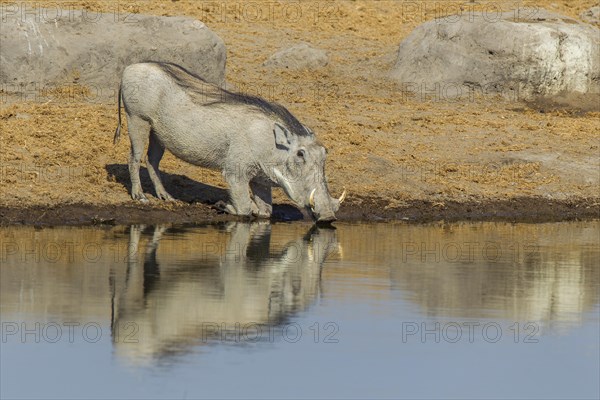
400	157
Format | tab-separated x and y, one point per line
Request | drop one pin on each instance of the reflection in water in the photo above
183	287
517	272
226	290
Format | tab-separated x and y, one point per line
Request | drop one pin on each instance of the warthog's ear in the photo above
283	137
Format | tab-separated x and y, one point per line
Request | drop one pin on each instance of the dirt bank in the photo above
400	157
418	211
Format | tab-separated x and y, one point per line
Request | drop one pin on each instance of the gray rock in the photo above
57	47
300	56
533	55
591	16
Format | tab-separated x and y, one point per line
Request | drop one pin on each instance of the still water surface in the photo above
481	310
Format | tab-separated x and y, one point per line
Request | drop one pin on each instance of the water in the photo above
482	310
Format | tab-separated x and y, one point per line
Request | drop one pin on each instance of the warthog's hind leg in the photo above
155	153
139	131
262	198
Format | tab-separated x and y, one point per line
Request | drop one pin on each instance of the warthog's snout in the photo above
326	218
325	213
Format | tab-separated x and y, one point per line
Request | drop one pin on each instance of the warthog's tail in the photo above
118	131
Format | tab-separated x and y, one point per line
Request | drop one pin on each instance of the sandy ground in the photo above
400	157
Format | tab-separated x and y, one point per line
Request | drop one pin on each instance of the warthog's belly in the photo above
192	142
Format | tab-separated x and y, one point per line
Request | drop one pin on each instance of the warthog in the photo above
256	144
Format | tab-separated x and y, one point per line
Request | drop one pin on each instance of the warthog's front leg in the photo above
262	198
239	195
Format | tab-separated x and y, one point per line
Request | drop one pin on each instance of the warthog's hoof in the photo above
244	214
141	197
229	209
165	196
225	207
261	210
262	214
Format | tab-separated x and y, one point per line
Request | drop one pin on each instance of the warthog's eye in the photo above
300	153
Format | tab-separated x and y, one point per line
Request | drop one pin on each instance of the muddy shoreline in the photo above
360	210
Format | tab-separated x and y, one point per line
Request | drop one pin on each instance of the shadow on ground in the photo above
179	186
189	191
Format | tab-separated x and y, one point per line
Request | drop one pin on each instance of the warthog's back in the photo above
188	115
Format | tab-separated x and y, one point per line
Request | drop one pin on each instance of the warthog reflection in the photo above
160	307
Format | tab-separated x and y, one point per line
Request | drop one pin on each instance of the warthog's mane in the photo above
207	94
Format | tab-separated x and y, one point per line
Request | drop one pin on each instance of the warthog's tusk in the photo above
343	196
283	182
311	199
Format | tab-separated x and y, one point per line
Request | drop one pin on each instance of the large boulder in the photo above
530	55
45	48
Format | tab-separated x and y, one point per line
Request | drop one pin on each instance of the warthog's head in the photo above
302	175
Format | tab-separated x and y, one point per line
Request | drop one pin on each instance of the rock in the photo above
300	56
591	16
45	48
530	55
